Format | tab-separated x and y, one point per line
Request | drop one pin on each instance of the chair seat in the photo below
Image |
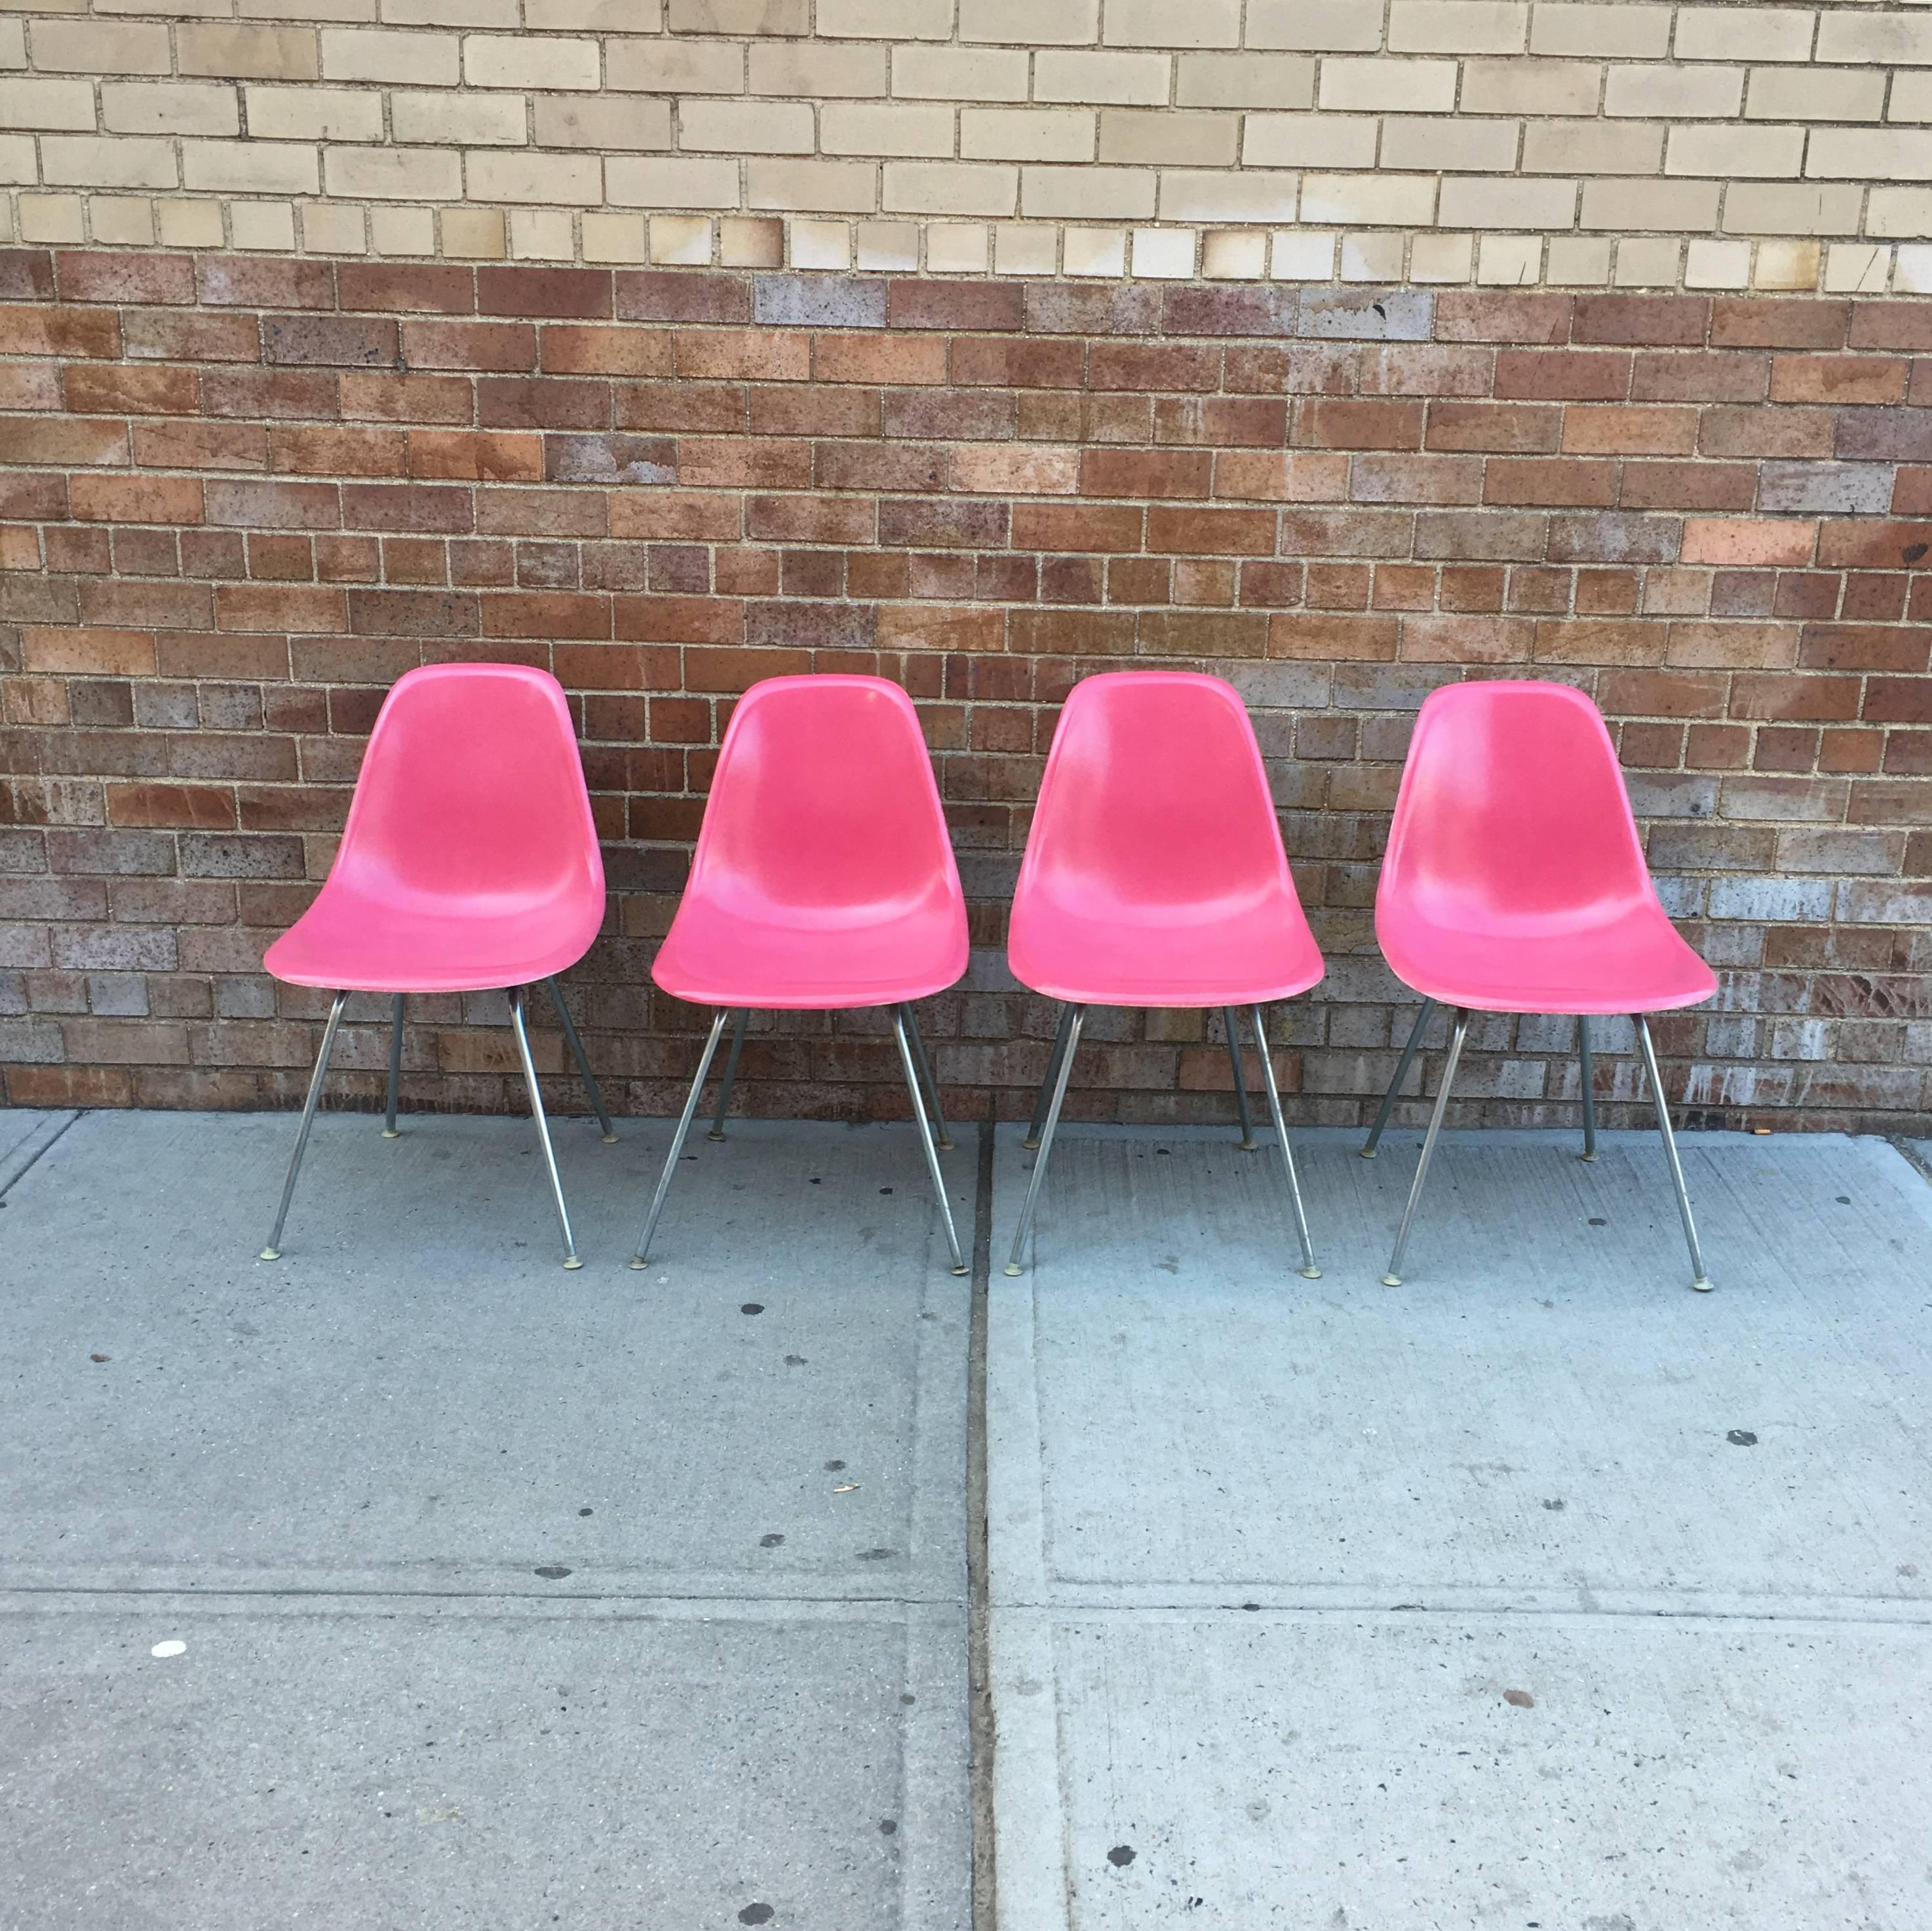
349	941
1634	963
714	956
1248	956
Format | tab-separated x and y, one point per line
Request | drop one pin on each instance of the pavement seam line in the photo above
33	1159
979	1671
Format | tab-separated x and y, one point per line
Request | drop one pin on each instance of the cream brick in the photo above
1618	28
52	217
838	70
402	231
1509	261
954	187
1170	137
316	114
1457	26
394	174
100	47
1094	251
958	73
749	242
27	104
329	228
1164	254
601	122
594	16
167	107
268	225
812	187
1251	194
1911	98
500	175
237	52
902	127
681	240
1394	86
475	234
1912	270
110	160
1717	265
1244	80
887	19
1370	201
1870	154
956	247
1788	265
746	127
1296	256
1507	201
1674	93
528	60
18	162
1088	194
1025	134
1648	261
739	17
13	43
340	12
636	181
1819	94
674	67
1028	23
1763	208
821	245
1577	261
1762	152
1591	147
1130	79
1897	210
1019	249
437	118
888	247
1531	87
1617	204
1859	35
615	238
1160	23
451	13
541	235
121	220
1315	26
1310	140
373	53
1440	258
1233	254
1721	33
1855	267
1456	145
250	167
1372	258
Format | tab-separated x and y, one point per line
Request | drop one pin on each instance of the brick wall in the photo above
241	495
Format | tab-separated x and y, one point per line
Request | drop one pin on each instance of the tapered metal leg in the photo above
905	1038
639	1258
1248	1142
1076	1017
522	1031
1053	1065
395	1065
717	1130
273	1251
1309	1270
1700	1279
583	1065
1459	1031
945	1139
1589	1073
1395	1085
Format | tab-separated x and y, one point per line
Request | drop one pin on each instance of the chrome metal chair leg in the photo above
273	1251
389	1132
1059	1054
926	1073
518	1025
583	1065
1401	1074
1700	1280
1458	1031
1248	1141
906	1058
640	1257
1076	1017
1309	1271
1589	1075
717	1130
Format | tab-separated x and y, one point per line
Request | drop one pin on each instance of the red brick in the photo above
374	398
693	515
313	451
694	620
93	388
1662	693
873	466
1221	422
26	274
1509	428
676	294
147	604
303	607
765	354
930	303
23	497
1001	364
67	440
1780	431
1865	545
187	807
494	345
719	406
1689	486
268	505
201	445
420	507
1562	375
88	653
1302	476
330	341
1076	526
1464	316
492	456
59	332
30	385
1552	481
1667	320
95	275
874	357
261	281
1145	472
1838	379
1629	429
1210	532
548	402
1889	325
1688	376
1100	308
1866	647
415	288
153	499
573	350
1297	634
543	291
1332	423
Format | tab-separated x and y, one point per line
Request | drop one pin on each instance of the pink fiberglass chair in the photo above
823	878
468	863
1515	882
1154	876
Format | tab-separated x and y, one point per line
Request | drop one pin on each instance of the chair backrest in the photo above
1154	798
1512	815
472	788
823	802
